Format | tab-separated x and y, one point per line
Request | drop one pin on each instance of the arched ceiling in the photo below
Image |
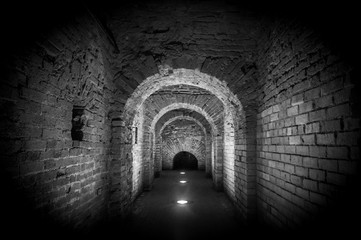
179	94
183	118
161	93
183	89
216	37
186	113
167	130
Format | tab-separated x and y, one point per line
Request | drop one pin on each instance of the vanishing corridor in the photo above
100	102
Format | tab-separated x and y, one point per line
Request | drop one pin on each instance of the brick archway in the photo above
205	156
231	127
182	135
215	141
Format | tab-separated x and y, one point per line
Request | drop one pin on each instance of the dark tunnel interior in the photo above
185	161
100	103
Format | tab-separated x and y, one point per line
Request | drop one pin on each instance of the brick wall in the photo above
278	106
49	173
307	128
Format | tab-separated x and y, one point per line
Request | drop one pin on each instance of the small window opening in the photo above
78	121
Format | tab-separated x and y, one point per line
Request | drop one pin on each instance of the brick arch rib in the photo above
234	119
215	171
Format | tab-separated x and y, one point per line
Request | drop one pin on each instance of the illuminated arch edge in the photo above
187	77
175	106
232	105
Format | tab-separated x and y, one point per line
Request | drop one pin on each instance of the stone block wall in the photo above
307	128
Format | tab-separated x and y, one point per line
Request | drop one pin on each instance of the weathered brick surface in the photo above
278	107
64	179
301	82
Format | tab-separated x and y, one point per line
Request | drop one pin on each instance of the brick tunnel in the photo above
97	102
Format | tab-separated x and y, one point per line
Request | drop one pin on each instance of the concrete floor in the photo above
208	215
156	215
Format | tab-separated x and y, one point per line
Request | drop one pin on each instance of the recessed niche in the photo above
77	123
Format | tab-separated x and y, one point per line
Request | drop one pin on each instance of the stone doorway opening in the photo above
185	161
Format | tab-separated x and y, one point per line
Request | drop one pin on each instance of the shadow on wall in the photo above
185	161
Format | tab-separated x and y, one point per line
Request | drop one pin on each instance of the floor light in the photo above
182	202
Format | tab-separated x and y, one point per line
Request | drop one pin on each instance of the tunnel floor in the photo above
208	215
